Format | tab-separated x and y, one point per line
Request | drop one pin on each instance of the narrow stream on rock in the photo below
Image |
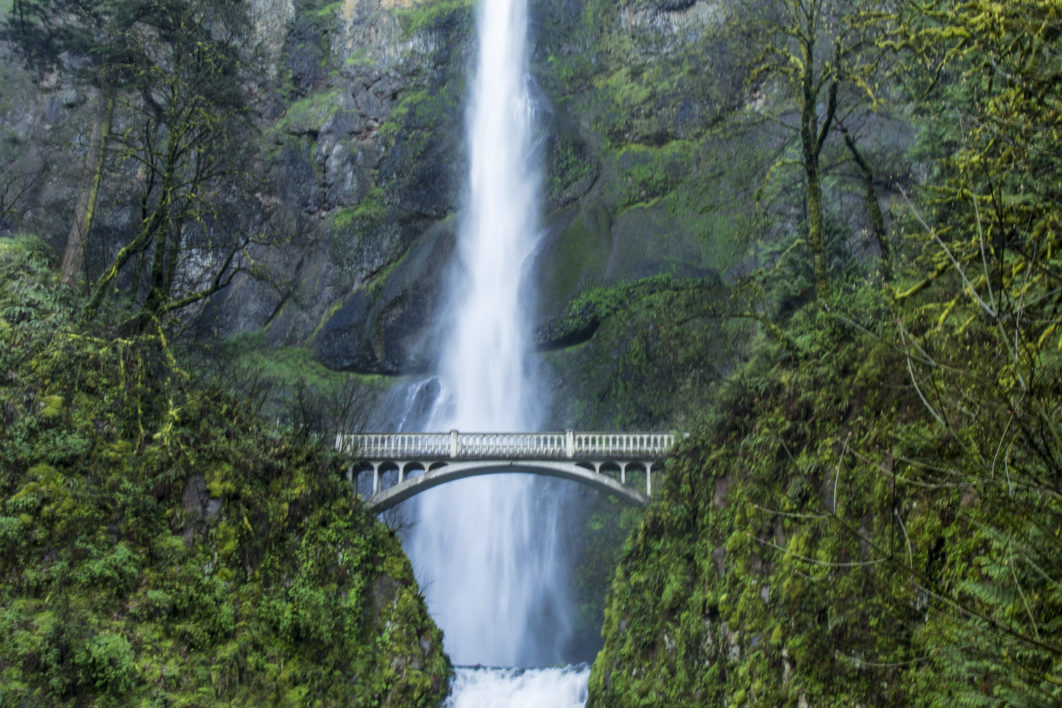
486	550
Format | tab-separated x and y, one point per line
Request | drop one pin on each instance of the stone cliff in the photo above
359	115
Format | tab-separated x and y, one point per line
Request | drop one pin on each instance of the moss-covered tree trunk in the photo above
812	138
816	241
874	214
74	255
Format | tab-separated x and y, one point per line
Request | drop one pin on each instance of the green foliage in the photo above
157	545
653	352
870	516
287	386
747	564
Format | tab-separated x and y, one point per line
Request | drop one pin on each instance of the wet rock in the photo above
385	329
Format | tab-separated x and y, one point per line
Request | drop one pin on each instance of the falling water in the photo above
485	549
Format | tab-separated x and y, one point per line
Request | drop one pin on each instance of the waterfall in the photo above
485	549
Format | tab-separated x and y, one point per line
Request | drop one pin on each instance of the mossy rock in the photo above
381	327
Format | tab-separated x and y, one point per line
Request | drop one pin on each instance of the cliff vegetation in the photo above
868	512
159	545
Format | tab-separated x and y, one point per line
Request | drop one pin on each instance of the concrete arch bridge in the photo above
420	461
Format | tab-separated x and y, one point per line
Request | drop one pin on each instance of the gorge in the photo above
820	236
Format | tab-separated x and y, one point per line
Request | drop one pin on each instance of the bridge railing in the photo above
569	445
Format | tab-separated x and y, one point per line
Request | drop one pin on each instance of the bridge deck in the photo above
569	445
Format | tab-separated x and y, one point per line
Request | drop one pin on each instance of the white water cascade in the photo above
485	549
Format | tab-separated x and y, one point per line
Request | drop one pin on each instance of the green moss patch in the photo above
157	544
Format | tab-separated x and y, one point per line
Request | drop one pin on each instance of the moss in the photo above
364	215
714	510
772	568
287	385
308	114
423	15
575	261
649	172
417	116
125	583
52	406
286	364
327	12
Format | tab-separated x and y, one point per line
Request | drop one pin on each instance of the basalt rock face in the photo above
649	146
382	329
649	161
360	116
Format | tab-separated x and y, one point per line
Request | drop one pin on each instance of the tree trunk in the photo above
816	229
73	266
812	138
877	219
811	144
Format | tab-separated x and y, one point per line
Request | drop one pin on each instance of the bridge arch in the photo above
441	473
